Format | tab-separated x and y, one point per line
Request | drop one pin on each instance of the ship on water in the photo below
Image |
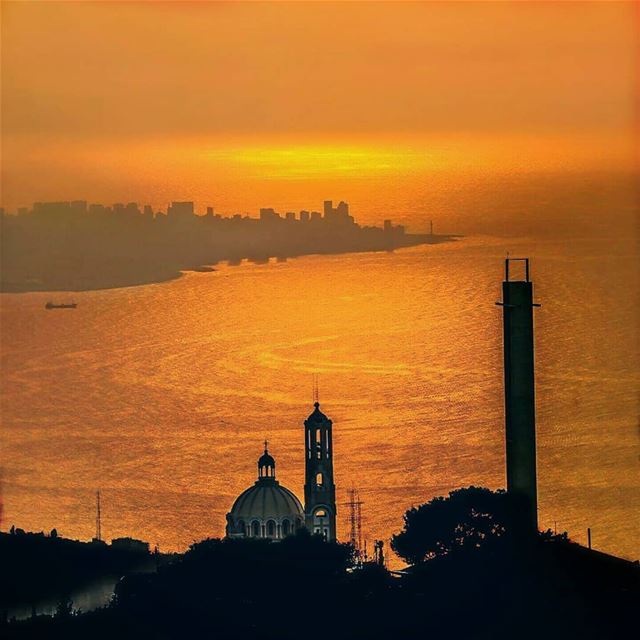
53	305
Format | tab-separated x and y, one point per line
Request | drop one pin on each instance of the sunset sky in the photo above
152	101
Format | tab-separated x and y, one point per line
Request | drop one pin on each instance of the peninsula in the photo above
74	246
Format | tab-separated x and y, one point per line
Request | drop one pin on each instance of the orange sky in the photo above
101	99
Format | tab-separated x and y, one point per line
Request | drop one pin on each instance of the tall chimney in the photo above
519	393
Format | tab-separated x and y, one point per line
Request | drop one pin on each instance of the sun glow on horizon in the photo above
203	166
317	160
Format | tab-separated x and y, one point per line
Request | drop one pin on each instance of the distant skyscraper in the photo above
132	209
342	210
339	214
268	213
304	216
48	208
519	393
181	210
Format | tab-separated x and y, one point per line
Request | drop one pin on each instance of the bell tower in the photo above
319	489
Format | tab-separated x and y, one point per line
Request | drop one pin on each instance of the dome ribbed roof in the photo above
267	500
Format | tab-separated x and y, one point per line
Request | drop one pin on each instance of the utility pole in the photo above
355	518
378	556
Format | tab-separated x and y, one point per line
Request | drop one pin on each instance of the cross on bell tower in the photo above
319	488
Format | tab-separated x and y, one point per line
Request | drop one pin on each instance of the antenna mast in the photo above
355	518
98	524
316	393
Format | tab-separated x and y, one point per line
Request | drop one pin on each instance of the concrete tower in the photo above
319	489
519	393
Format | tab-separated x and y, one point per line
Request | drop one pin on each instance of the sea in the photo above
160	396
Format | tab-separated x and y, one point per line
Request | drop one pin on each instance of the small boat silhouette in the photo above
52	305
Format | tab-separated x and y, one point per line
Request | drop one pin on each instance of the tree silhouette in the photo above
467	519
64	608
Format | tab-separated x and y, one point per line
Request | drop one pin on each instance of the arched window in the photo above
321	522
286	528
241	528
271	528
267	471
255	529
319	479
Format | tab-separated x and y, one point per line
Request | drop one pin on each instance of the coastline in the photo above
85	282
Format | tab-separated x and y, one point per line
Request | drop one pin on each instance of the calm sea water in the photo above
160	396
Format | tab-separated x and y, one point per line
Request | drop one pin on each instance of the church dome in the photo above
267	500
266	509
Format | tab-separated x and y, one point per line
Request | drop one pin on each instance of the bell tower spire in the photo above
319	488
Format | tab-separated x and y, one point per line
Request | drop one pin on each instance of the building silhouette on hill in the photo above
268	509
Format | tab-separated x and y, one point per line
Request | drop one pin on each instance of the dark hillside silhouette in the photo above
542	586
35	566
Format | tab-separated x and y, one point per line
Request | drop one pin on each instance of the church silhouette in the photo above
267	509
